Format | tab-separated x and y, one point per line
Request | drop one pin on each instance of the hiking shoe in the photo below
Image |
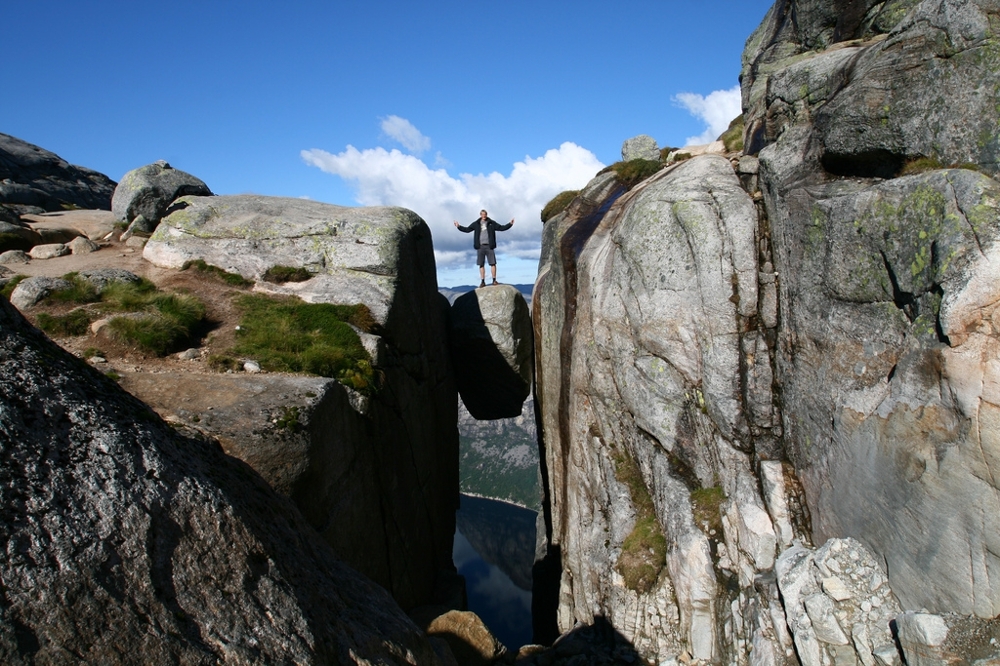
495	281
482	283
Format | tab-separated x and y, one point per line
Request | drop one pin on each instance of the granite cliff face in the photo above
768	382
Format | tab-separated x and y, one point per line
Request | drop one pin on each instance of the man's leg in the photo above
493	272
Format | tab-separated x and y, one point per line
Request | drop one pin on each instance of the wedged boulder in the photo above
129	542
30	291
640	147
31	177
492	351
470	641
150	190
376	474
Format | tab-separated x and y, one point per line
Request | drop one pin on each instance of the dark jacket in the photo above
491	228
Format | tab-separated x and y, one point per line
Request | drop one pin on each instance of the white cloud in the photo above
391	178
403	132
717	109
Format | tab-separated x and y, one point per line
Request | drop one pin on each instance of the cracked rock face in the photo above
733	368
888	288
128	542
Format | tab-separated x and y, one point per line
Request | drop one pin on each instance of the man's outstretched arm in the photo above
463	229
505	227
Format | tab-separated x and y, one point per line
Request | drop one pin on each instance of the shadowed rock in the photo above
491	348
33	179
128	542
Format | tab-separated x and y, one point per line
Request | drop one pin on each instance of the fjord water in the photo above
494	550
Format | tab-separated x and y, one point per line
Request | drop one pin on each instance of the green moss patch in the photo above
282	274
289	335
706	506
644	551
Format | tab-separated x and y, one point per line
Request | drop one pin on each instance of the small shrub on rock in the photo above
282	274
558	204
732	138
644	551
633	172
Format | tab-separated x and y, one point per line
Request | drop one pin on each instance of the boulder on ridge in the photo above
640	147
150	190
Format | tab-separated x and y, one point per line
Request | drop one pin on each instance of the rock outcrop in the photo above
491	348
376	475
148	192
128	542
35	180
742	359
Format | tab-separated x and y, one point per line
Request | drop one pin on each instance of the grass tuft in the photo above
76	322
558	204
288	335
8	288
732	138
633	172
706	506
232	279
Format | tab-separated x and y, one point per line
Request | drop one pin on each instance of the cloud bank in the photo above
717	109
383	177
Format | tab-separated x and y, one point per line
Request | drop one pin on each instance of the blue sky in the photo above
444	107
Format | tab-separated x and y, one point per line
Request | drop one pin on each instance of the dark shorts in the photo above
484	254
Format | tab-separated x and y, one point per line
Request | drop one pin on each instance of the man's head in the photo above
482	215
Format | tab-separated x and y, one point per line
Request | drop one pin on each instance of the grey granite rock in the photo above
14	257
129	542
33	177
48	251
102	277
30	291
492	350
150	190
640	147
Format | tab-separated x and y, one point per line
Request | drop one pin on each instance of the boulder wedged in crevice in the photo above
492	347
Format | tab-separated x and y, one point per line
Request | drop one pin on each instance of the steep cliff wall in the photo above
377	474
741	359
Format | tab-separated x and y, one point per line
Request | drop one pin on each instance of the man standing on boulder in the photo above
485	241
